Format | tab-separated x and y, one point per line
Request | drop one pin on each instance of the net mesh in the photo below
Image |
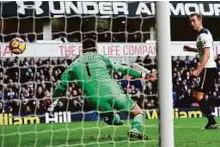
28	80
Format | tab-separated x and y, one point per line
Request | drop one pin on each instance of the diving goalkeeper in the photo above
92	71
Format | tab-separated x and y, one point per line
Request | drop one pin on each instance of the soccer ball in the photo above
17	46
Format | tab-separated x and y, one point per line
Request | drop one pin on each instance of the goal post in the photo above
164	74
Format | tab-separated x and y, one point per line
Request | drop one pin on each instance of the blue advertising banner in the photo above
67	117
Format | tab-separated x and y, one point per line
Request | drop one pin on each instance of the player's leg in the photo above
137	125
204	107
108	114
111	118
206	82
124	103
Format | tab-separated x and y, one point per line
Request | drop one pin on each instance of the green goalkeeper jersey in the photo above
92	73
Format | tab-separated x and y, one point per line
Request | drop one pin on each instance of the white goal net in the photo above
53	32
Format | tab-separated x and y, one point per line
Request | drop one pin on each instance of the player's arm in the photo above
137	71
127	70
61	88
190	49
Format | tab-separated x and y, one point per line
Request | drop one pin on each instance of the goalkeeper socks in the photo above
137	124
211	119
206	110
116	119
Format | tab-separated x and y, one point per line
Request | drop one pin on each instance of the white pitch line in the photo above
102	143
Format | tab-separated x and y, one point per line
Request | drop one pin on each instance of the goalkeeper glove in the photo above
152	76
145	73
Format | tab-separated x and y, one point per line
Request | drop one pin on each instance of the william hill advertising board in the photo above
66	117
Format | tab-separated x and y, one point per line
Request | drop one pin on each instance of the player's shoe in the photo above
210	126
137	136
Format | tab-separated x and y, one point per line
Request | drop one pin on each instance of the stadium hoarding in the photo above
9	119
69	50
131	9
67	117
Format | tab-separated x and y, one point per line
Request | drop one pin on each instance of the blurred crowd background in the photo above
26	84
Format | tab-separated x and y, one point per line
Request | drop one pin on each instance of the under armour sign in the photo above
105	8
36	7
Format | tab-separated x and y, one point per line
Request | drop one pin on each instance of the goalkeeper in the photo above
92	72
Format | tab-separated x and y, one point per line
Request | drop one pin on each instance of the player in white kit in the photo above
206	71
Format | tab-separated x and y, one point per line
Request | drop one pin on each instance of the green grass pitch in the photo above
188	133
